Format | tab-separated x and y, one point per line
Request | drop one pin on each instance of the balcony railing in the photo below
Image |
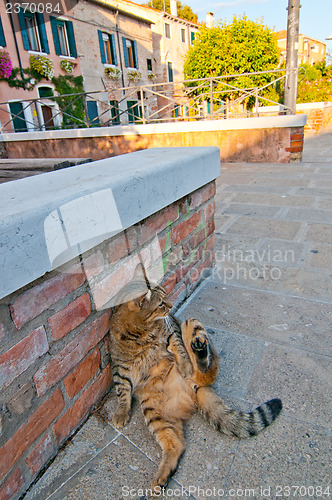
224	97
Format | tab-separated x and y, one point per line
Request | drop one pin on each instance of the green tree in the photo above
184	11
316	84
242	46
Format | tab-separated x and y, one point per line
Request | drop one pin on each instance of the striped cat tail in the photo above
233	422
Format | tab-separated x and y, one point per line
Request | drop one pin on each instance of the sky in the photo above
315	15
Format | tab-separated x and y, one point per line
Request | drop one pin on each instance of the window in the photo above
130	53
170	71
33	31
63	37
192	37
93	117
63	40
107	48
2	36
167	30
183	35
134	111
149	64
18	117
115	113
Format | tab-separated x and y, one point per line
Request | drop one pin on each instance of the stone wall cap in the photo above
164	128
48	219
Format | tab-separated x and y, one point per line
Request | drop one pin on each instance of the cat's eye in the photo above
162	304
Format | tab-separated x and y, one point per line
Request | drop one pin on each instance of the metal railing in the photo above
224	97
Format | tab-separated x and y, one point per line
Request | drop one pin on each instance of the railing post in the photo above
142	105
256	102
211	98
38	117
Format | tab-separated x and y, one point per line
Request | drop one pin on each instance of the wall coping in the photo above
162	128
48	219
305	106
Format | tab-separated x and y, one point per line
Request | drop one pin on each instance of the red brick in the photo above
197	273
202	234
12	486
74	416
106	289
182	230
40	455
118	248
202	195
296	137
93	264
14	448
22	355
153	225
174	296
169	284
39	298
296	144
209	210
76	380
294	149
70	317
61	364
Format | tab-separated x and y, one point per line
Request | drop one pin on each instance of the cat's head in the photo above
143	298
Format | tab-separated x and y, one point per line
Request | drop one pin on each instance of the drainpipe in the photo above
16	46
118	38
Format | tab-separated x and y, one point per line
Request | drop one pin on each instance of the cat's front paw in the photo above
200	346
120	419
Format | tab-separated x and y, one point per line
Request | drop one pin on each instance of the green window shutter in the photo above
55	36
125	51
135	53
192	37
2	36
21	18
42	33
71	39
101	46
113	47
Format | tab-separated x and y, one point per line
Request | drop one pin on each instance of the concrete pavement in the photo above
268	303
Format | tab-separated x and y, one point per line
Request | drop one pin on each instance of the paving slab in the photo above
269	317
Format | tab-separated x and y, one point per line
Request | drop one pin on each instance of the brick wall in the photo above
296	144
255	140
317	119
54	364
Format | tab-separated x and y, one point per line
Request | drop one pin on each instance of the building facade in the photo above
310	51
111	44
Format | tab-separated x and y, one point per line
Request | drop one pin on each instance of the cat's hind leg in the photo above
170	438
169	435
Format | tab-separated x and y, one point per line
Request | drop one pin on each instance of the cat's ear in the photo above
138	302
140	275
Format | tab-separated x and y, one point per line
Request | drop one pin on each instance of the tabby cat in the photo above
169	368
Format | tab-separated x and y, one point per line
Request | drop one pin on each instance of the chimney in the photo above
174	9
209	20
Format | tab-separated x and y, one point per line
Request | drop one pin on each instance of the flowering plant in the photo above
42	65
6	66
152	76
114	73
67	66
133	75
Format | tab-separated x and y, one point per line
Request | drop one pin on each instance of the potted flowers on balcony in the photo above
134	75
6	66
113	73
42	65
67	66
